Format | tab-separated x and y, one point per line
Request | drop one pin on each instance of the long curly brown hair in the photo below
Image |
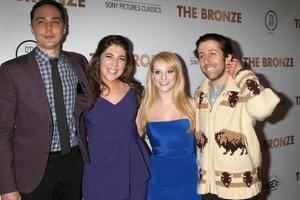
93	70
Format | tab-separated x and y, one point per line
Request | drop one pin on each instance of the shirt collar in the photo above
218	90
44	58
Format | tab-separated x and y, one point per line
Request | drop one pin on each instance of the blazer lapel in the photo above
84	95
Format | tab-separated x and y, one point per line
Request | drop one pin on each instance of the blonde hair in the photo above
150	94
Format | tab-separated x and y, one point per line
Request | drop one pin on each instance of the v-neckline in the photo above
118	102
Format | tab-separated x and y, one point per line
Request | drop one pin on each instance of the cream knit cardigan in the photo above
229	155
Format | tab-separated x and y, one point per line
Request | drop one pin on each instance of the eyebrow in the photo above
113	54
209	51
53	18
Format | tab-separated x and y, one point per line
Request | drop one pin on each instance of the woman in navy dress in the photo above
167	116
118	158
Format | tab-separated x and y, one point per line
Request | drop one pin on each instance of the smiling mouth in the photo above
163	83
49	37
211	68
112	71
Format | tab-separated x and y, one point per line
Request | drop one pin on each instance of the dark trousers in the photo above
215	197
62	179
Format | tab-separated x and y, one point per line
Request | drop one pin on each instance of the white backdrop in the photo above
266	34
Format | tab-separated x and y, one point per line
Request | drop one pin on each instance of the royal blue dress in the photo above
118	169
173	167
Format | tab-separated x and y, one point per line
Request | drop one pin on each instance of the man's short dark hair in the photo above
224	42
59	6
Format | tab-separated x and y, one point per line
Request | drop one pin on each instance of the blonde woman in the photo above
167	116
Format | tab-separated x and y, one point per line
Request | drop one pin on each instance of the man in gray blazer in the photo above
32	162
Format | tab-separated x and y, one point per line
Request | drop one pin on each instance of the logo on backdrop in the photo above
297	23
209	14
279	142
142	60
297	100
193	61
298	176
271	20
271	62
134	6
221	15
71	3
272	184
25	47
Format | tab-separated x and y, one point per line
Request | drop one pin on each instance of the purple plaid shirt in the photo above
69	83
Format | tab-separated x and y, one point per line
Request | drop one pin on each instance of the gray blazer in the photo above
26	123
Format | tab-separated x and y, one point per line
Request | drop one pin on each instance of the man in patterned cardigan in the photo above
228	103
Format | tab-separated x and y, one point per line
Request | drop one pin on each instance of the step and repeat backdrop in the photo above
266	35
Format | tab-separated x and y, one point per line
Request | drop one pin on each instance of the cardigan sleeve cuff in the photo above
242	77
